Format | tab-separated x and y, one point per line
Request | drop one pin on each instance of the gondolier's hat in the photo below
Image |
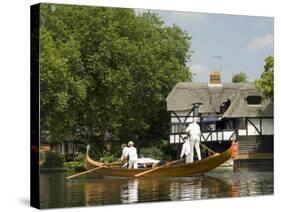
130	143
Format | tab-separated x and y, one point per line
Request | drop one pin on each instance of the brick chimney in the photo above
215	78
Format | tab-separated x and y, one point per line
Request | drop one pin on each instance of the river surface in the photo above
93	190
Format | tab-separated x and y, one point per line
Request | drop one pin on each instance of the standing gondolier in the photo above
194	130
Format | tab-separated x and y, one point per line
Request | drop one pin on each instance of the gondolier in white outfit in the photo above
125	151
194	131
185	151
133	155
124	156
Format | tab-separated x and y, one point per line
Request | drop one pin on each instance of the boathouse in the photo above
68	147
225	111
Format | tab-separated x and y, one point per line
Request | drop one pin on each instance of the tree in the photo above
106	73
240	77
266	83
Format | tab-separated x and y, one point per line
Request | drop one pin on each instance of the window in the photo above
196	109
224	106
254	100
176	128
208	127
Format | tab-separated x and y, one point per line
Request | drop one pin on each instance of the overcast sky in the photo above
242	42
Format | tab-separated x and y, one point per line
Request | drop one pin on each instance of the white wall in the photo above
251	129
227	135
182	119
175	139
267	126
175	119
182	113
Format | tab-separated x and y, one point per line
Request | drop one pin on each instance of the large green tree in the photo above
240	77
266	82
105	73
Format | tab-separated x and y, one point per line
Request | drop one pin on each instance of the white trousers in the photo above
188	158
195	142
133	164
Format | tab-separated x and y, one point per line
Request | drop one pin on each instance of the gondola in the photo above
175	170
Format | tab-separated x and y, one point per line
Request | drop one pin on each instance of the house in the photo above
68	147
225	111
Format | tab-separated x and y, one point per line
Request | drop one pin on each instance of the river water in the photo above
93	190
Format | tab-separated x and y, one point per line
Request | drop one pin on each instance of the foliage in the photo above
80	157
42	157
53	160
170	152
152	152
75	166
109	158
240	77
266	83
105	74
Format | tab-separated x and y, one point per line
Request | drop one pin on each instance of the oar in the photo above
156	168
94	169
209	149
85	172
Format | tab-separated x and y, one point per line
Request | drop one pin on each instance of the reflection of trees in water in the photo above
157	189
52	190
186	189
199	187
102	192
56	192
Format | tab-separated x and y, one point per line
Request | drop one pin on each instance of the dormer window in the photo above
254	100
196	109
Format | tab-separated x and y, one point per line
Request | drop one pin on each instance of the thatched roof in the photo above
212	97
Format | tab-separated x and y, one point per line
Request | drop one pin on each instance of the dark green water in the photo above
92	190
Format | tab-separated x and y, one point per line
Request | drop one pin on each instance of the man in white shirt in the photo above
185	151
194	130
125	151
133	155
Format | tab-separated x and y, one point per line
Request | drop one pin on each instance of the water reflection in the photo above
129	191
87	191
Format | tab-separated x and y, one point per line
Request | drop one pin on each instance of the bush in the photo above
152	152
42	157
75	166
80	157
53	160
108	158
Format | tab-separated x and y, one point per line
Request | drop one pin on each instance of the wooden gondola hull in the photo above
181	170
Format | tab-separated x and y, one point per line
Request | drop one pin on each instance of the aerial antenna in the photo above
219	59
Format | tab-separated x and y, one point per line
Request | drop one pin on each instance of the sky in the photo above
241	42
